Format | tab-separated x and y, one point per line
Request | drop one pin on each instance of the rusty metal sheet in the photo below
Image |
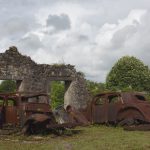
35	107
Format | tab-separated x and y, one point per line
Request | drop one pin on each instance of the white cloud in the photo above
91	35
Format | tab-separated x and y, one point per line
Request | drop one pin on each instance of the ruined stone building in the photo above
33	77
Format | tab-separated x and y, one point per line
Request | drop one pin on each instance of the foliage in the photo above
57	93
128	74
95	87
8	86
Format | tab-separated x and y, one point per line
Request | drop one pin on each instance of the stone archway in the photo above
35	77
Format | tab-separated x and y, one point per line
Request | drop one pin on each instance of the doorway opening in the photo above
57	92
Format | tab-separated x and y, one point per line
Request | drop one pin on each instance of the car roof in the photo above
121	93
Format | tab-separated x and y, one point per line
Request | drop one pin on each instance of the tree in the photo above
129	73
57	93
95	87
8	86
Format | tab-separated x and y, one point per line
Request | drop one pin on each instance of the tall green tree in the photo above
129	73
8	86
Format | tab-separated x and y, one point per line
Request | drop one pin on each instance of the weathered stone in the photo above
35	77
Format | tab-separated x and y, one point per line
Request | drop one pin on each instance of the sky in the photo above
90	34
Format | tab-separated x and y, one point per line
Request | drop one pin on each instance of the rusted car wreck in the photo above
29	112
121	108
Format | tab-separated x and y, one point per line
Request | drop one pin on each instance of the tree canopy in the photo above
129	73
8	86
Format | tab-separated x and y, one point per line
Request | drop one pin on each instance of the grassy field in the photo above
89	138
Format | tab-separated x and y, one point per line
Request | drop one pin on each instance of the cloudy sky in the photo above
90	34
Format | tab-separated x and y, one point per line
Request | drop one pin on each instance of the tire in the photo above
126	122
129	117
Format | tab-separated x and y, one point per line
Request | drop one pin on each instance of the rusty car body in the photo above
30	112
124	108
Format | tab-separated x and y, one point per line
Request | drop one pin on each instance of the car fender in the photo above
37	118
130	112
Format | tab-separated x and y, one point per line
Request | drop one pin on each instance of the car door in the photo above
10	112
1	111
99	110
115	103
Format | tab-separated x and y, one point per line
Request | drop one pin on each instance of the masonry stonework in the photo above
33	77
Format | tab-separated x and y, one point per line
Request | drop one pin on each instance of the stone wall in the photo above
77	94
33	77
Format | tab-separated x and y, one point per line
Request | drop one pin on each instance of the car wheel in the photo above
127	122
129	117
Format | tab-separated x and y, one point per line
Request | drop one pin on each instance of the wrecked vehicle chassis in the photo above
29	113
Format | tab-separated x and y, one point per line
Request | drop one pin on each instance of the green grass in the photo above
90	138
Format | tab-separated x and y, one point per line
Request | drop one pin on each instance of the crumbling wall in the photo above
35	77
77	94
